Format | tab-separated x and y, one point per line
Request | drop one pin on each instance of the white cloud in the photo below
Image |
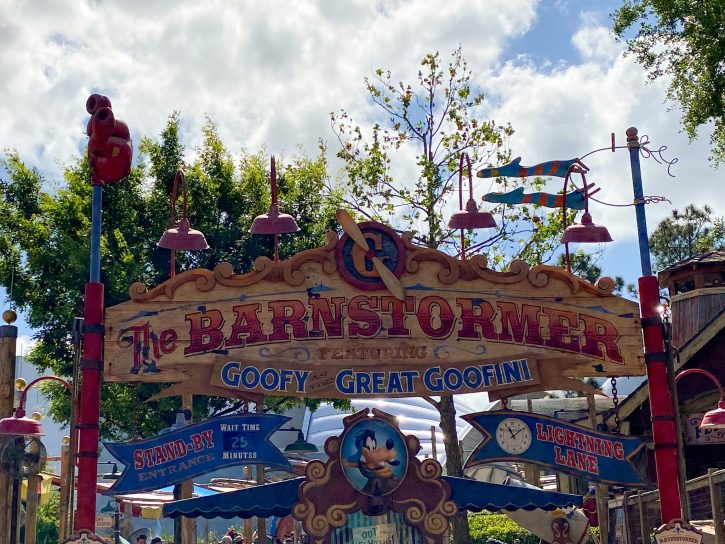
566	112
23	345
266	72
596	43
270	73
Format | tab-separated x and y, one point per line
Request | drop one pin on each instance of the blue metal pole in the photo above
96	214
633	146
662	392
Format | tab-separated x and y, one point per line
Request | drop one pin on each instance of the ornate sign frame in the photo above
322	325
327	495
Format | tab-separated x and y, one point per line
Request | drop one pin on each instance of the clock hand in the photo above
511	432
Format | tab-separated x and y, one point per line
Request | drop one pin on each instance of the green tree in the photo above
685	43
488	528
585	265
44	235
47	528
435	121
685	234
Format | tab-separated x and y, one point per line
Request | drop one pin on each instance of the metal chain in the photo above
615	402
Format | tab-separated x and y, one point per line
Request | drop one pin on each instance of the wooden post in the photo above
67	466
716	503
127	522
188	525
8	339
531	471
248	529
627	529
31	508
433	445
643	529
261	522
599	489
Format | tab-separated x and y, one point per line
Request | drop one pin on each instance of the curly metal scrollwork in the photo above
656	154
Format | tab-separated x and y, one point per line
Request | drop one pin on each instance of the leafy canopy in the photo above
44	236
434	120
685	234
685	42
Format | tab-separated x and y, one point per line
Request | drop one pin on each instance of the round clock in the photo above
513	435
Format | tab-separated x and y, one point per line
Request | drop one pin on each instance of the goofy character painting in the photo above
375	463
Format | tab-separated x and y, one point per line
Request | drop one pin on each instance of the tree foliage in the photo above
685	42
433	121
488	528
44	237
586	266
685	234
47	521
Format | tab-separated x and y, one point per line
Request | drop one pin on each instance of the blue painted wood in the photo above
193	450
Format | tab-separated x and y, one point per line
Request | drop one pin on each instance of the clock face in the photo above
513	435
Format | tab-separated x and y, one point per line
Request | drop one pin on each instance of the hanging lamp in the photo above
274	222
180	236
470	217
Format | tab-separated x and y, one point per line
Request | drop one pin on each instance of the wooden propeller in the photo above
350	227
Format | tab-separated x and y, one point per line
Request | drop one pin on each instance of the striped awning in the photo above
277	499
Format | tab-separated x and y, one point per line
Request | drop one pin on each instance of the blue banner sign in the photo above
565	447
197	449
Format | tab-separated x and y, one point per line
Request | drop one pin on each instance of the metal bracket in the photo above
655	357
654	321
93	364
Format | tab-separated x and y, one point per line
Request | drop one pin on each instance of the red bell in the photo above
471	218
274	222
180	236
714	419
19	425
586	232
183	238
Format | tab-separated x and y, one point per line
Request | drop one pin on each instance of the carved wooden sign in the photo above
566	447
677	531
374	469
324	324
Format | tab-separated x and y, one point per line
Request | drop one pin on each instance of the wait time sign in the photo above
324	324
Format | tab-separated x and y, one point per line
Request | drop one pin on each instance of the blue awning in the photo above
277	499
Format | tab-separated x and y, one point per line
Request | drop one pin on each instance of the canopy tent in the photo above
277	499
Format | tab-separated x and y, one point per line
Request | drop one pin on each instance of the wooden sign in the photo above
84	537
193	450
324	317
374	469
677	532
695	435
386	529
566	447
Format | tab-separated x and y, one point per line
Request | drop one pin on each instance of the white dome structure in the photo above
415	416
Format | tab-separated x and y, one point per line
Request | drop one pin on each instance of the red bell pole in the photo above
109	159
664	430
664	426
90	405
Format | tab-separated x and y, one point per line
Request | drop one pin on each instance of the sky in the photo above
269	74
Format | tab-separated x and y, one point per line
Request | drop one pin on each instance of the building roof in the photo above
702	259
566	408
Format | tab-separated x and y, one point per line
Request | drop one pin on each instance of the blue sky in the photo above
270	73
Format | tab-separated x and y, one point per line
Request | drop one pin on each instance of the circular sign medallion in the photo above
356	264
374	457
513	435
